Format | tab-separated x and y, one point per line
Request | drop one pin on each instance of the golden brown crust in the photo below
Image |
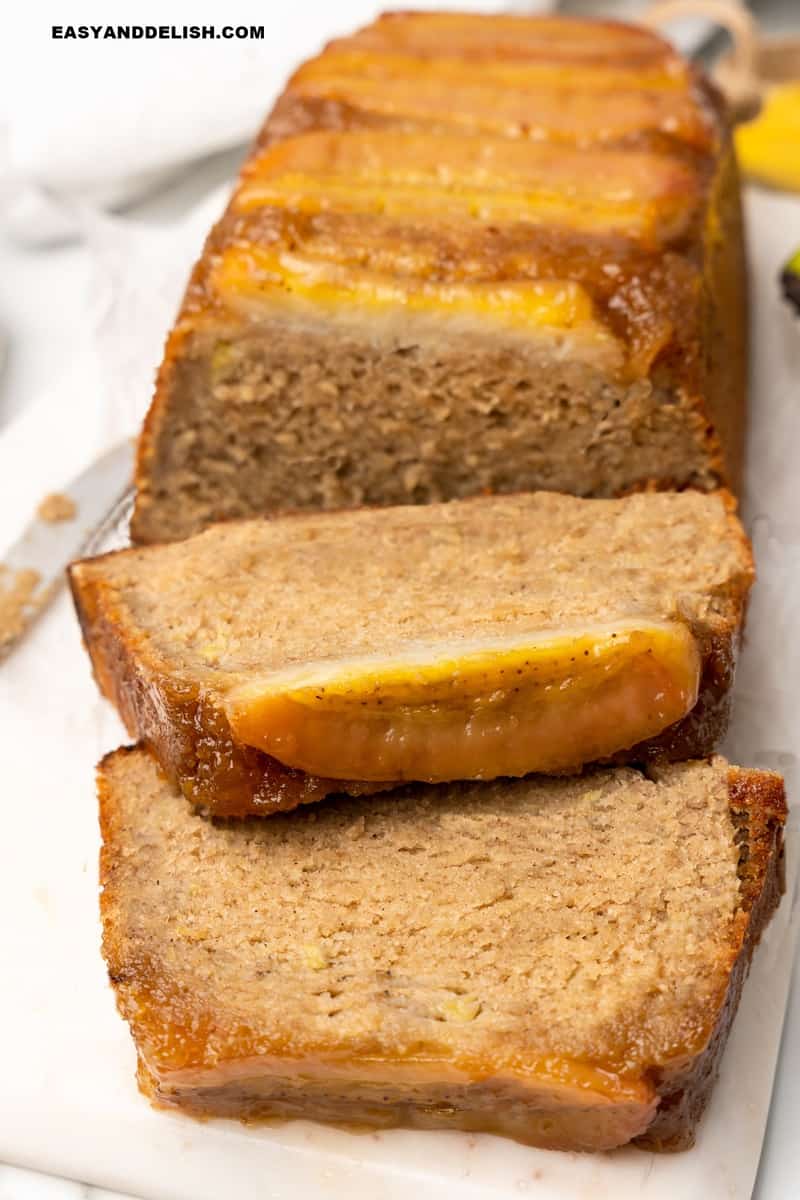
190	737
758	808
699	733
725	344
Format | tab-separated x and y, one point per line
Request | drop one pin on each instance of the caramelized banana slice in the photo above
548	702
255	279
639	194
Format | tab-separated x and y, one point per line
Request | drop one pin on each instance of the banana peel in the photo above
768	147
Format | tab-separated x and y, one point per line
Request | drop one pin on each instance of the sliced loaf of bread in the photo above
270	662
558	961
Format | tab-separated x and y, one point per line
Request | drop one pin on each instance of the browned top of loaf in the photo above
606	139
268	594
592	919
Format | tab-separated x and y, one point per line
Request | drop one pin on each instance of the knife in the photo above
32	570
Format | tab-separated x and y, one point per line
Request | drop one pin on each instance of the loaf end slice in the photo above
271	662
558	961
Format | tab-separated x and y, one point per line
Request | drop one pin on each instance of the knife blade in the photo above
32	570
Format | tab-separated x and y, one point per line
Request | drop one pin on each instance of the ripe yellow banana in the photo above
769	146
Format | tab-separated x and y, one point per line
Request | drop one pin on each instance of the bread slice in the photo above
558	961
268	663
468	253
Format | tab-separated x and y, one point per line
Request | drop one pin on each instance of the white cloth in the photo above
100	123
138	276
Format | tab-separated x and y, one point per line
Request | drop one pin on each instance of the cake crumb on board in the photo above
56	507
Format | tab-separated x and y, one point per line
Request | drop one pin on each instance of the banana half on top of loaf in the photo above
268	663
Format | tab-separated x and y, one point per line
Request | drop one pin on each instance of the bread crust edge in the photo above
758	804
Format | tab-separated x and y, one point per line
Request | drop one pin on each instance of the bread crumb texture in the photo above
264	595
591	919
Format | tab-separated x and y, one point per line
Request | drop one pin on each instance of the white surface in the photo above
54	300
67	1099
18	1184
773	507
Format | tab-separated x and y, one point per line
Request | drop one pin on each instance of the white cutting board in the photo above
68	1103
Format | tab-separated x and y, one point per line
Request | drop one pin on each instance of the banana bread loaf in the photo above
468	254
269	662
558	961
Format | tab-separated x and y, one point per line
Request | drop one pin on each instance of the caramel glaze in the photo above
651	297
190	737
649	300
474	37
